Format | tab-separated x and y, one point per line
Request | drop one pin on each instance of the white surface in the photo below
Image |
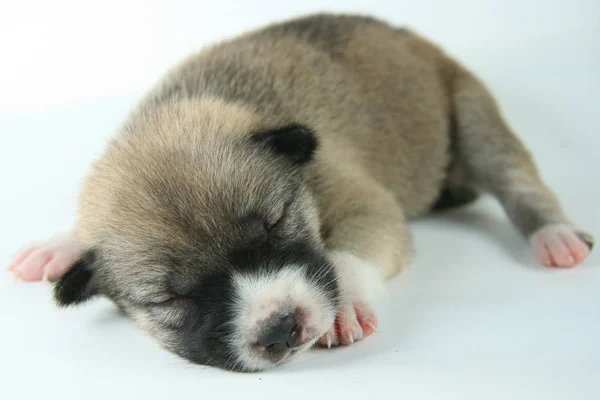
473	317
59	51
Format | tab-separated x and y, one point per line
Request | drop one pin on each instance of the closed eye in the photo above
278	219
166	300
256	228
171	299
274	222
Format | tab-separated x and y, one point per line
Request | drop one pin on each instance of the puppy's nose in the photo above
283	335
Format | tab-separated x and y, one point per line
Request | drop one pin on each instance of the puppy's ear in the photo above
296	142
77	284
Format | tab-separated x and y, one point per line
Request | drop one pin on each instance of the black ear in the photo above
297	142
77	284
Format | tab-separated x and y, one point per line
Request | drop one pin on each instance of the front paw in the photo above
353	321
46	260
359	282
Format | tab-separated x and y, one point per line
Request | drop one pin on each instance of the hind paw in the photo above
561	245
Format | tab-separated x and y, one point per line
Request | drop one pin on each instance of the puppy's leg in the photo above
498	162
368	242
47	260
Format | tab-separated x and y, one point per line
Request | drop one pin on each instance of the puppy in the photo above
257	198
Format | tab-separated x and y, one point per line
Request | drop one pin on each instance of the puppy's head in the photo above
199	225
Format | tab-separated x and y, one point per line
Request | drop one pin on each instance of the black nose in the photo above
283	335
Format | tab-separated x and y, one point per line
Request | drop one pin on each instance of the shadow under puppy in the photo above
257	198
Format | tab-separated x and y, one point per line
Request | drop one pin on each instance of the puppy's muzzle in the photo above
284	335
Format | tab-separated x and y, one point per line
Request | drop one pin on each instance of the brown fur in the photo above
397	121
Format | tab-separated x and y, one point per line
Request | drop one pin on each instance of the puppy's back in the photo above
376	96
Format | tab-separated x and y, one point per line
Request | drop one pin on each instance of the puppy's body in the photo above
385	105
377	97
264	186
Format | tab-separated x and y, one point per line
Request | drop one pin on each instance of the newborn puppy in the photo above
257	198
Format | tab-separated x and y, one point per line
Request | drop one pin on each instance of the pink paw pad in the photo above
353	322
561	245
47	260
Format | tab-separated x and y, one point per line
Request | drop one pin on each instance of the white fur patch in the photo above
359	280
257	297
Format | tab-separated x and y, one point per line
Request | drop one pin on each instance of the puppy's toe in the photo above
31	268
347	326
561	245
59	264
353	322
47	260
366	318
330	338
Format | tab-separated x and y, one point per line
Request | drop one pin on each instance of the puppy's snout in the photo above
283	335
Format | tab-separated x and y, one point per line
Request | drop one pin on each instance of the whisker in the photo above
323	270
333	280
207	364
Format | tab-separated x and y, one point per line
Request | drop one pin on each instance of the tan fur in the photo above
393	115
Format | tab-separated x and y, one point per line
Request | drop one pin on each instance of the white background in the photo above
473	317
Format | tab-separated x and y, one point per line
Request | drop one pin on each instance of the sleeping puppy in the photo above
256	200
